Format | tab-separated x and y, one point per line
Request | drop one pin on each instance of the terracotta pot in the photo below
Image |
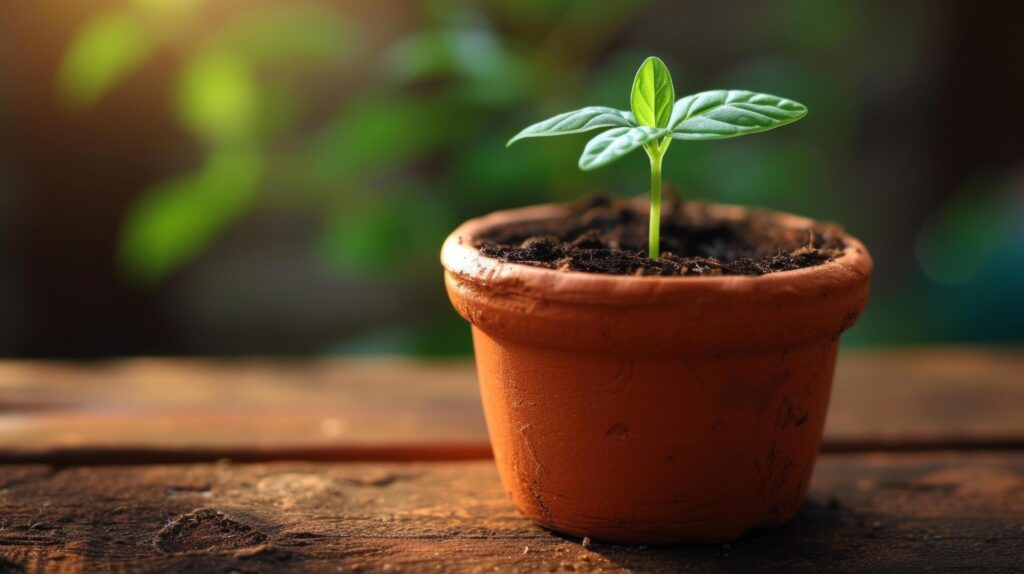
654	410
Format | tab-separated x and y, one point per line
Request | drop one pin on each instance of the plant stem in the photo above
654	231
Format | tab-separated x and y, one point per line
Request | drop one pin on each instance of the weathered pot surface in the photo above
654	410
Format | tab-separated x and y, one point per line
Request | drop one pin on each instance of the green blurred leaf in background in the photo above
218	99
221	100
103	52
112	44
176	219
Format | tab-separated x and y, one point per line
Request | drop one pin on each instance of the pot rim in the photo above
464	261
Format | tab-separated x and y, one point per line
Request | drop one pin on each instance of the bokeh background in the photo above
184	177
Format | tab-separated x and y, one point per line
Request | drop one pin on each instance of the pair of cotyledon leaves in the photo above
655	115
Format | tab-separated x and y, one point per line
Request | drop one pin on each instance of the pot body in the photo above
654	410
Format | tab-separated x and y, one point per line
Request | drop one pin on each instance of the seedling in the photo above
657	118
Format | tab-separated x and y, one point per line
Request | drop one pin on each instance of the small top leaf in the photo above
609	146
576	121
653	94
719	114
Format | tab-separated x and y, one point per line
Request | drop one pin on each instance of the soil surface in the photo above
603	235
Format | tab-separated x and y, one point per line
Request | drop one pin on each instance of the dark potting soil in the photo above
602	235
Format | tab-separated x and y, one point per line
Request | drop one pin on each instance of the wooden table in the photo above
383	465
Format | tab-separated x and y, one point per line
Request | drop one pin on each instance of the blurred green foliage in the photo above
222	101
106	49
414	138
176	219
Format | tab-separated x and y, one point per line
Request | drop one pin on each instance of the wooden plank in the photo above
876	512
380	409
930	397
194	410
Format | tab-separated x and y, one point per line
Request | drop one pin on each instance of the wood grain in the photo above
200	410
390	409
891	512
873	511
929	397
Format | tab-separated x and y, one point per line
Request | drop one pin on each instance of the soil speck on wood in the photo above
602	235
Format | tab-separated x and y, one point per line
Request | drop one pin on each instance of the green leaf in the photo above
721	114
175	220
577	121
617	142
104	51
653	94
219	97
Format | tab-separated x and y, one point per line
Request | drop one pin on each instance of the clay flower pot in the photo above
654	410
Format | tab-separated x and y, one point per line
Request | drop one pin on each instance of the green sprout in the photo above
657	118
